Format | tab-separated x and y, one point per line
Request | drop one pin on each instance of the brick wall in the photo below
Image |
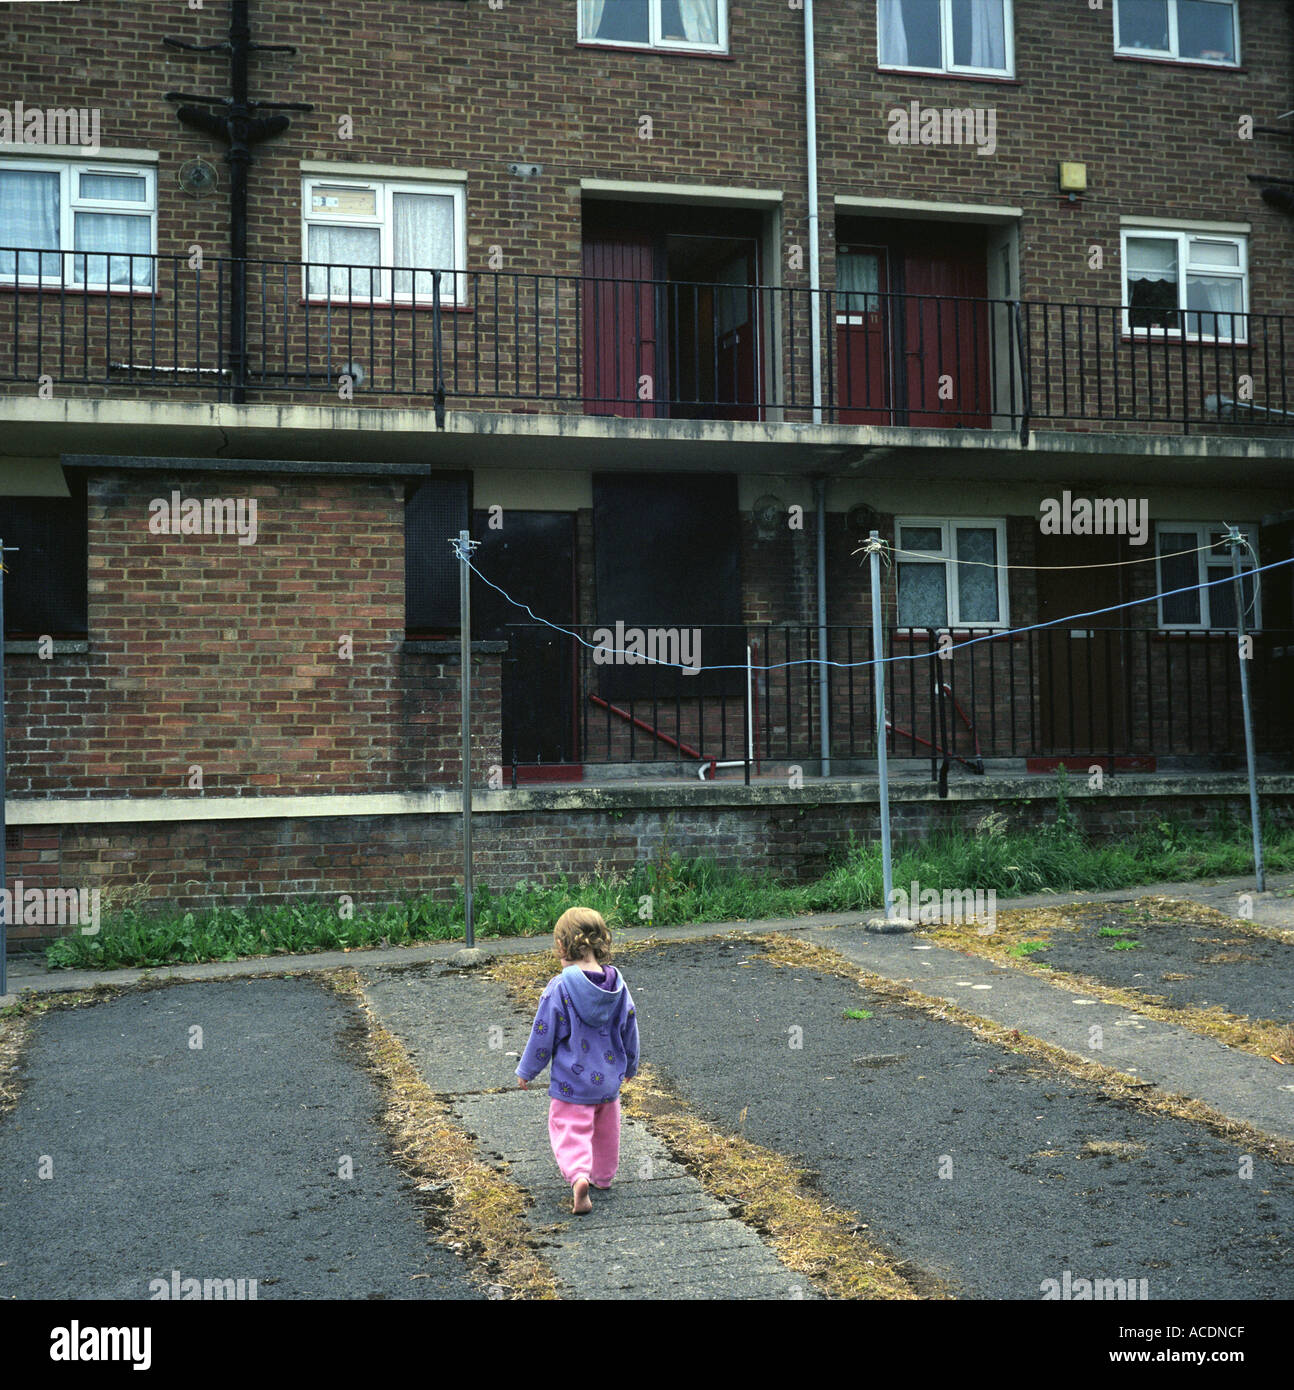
378	859
463	86
206	653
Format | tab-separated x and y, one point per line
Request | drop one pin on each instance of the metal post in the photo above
1235	540
824	684
882	766
4	911
464	547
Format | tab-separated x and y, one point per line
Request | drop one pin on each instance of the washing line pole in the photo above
878	685
1243	643
463	546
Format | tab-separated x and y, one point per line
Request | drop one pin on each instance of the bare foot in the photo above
582	1203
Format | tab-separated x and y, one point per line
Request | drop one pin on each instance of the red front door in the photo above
618	325
863	337
947	367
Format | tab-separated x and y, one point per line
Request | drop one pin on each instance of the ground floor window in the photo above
1193	554
951	572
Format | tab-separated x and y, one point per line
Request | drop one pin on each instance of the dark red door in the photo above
618	325
947	367
863	338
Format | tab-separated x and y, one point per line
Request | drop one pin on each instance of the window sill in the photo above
63	646
657	52
420	306
104	292
1219	634
1001	79
1195	64
958	634
1189	340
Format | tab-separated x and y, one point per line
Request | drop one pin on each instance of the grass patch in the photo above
475	1211
1266	1038
793	953
671	890
857	1013
1027	948
809	1234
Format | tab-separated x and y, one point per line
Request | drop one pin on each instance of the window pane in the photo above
1177	573
423	240
856	273
1144	24
909	34
108	231
29	219
979	34
923	596
1221	295
1205	30
1152	282
977	587
341	201
343	249
120	188
1201	252
623	21
921	538
690	21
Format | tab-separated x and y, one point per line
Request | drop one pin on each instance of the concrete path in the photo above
132	1153
1237	1083
656	1234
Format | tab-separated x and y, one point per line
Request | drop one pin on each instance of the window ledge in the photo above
1195	64
63	646
648	48
104	292
421	305
1000	79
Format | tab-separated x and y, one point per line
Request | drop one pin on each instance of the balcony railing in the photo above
642	348
1060	692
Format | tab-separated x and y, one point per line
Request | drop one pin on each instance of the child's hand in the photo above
525	1085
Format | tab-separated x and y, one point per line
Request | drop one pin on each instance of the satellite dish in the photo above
769	513
862	520
198	178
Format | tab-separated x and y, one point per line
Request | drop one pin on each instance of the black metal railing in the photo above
1087	693
632	347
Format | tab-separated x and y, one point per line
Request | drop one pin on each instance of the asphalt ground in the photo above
1182	963
221	1162
878	1108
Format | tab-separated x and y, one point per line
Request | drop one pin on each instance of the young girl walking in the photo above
586	1026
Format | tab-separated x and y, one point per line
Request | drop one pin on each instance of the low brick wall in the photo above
538	834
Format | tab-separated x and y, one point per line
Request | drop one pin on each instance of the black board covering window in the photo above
667	553
45	581
434	511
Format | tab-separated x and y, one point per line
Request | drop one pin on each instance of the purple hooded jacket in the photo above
589	1032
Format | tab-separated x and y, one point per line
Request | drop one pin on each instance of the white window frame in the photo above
1203	531
70	202
453	287
1183	240
946	46
947	527
1172	54
654	38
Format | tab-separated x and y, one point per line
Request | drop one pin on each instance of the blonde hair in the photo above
579	931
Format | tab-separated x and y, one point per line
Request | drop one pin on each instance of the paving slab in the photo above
657	1234
1238	1084
222	1161
985	1167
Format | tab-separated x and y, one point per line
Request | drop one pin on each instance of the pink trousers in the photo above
586	1140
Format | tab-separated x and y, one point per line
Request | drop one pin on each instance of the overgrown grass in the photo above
671	890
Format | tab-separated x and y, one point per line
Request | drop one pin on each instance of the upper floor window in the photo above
698	24
88	226
1195	31
952	573
377	240
1189	282
1193	558
967	36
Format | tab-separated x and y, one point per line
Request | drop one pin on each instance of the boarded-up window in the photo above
45	580
434	511
667	550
